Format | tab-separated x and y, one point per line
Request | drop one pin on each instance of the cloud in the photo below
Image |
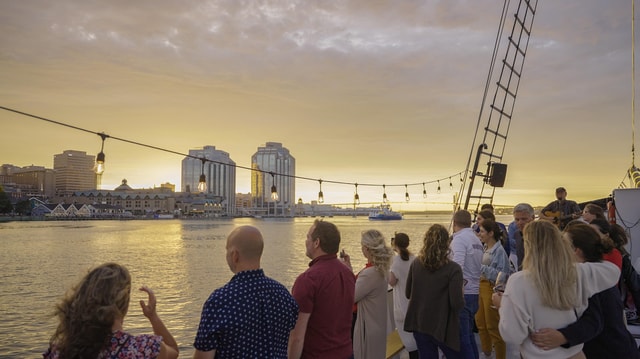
375	86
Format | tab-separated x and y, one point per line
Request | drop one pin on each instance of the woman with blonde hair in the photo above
91	318
551	291
434	289
370	329
601	328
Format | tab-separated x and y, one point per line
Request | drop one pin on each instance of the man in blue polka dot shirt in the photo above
252	315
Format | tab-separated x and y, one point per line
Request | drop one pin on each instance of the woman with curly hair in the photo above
434	289
371	297
91	318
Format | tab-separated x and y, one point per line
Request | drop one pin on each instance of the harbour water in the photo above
181	260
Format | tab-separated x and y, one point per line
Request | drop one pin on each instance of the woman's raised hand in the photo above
148	309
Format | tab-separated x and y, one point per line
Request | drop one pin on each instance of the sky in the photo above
366	91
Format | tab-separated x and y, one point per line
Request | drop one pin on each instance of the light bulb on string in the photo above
274	191
461	180
99	167
450	184
406	193
356	197
424	191
202	183
384	194
320	194
439	186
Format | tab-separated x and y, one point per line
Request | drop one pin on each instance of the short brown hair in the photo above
462	218
328	234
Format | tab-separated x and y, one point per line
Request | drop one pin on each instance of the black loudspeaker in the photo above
498	174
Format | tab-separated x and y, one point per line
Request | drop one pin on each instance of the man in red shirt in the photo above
325	295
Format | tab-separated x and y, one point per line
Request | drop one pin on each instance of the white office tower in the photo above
74	172
274	159
219	171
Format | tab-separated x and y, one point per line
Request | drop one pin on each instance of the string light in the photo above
202	184
450	184
384	194
99	168
274	191
406	193
320	194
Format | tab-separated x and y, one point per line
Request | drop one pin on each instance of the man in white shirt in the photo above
467	250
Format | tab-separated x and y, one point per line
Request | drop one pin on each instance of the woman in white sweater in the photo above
550	292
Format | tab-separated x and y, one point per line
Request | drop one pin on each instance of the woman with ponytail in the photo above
398	280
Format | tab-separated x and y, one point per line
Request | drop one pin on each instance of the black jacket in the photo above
602	329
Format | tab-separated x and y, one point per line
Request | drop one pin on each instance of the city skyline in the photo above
380	93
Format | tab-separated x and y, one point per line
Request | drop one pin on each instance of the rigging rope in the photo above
633	79
494	56
633	172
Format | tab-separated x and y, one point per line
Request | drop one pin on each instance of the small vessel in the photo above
384	213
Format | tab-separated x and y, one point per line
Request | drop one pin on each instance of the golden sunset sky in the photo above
382	92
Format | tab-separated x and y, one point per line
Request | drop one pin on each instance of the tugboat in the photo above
384	213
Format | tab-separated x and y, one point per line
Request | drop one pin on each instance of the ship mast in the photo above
492	128
633	172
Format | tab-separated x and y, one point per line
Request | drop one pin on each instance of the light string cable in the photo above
136	143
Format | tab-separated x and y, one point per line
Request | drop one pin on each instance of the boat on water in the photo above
384	213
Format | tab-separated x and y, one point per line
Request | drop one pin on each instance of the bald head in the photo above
244	248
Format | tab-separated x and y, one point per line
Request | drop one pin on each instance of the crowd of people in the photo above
569	286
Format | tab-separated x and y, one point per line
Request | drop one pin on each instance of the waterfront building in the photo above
244	205
6	173
273	158
27	182
139	202
74	171
220	174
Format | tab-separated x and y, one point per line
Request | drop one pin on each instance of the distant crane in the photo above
490	139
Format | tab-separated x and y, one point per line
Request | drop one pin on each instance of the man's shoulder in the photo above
466	236
323	270
277	286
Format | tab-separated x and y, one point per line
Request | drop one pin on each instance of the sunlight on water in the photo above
182	261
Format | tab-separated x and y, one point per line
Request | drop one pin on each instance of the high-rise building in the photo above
273	165
220	173
74	172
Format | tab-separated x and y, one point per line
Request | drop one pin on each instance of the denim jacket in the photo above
499	263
